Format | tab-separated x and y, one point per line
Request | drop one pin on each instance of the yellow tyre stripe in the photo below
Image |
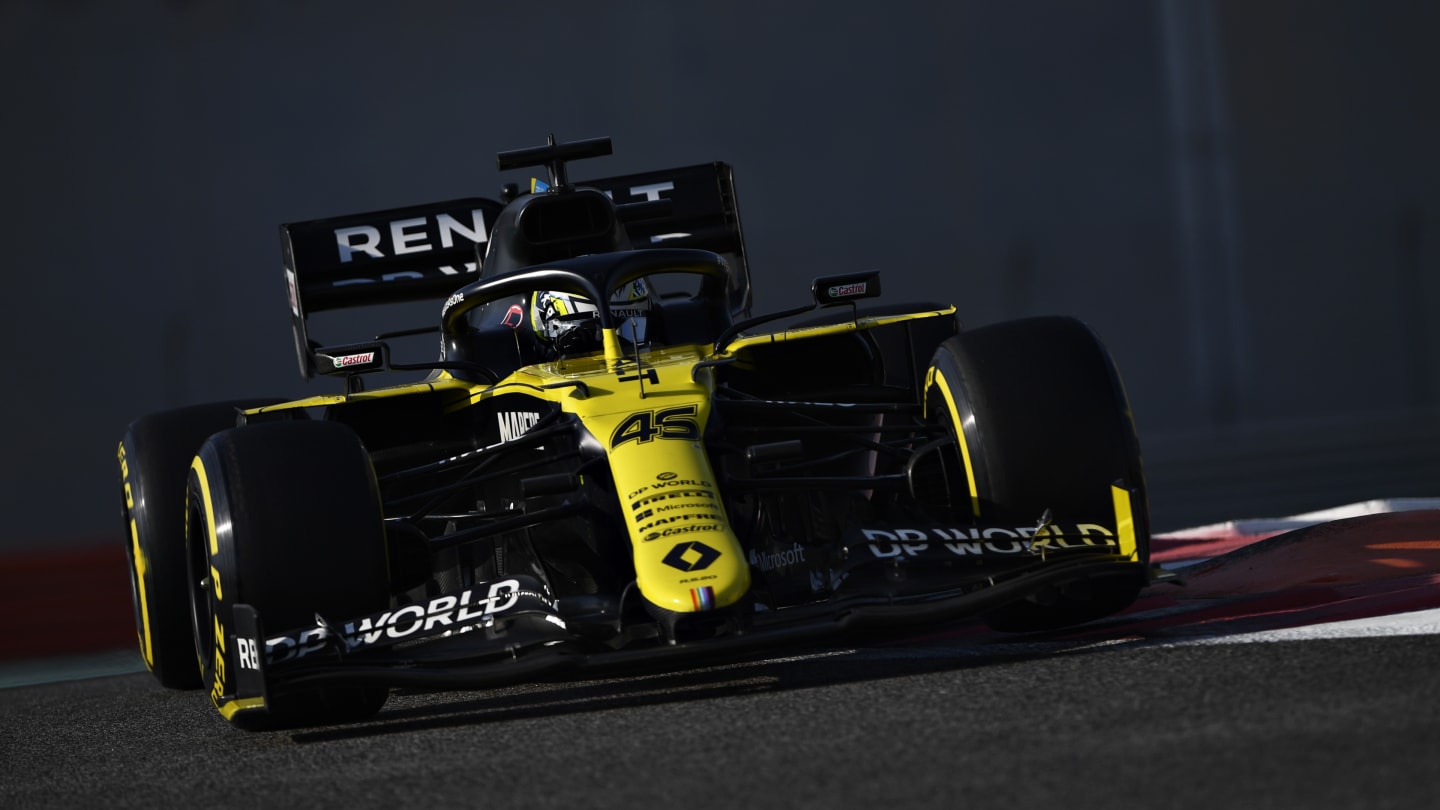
1125	522
939	377
217	688
141	567
199	469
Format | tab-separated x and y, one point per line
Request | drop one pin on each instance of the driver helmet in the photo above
571	324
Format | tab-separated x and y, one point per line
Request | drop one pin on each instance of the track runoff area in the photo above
1365	569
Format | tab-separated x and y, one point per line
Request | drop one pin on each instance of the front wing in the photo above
507	632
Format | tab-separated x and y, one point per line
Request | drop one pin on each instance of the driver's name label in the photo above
983	542
248	653
448	612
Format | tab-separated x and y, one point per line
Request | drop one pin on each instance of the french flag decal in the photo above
704	598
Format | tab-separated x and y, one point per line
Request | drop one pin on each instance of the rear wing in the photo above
704	215
428	251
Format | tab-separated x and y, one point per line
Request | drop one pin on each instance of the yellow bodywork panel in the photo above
856	325
650	416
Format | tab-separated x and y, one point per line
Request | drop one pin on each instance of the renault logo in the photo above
692	556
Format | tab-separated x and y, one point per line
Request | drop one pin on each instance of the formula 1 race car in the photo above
612	464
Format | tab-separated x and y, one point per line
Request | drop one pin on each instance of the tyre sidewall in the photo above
154	458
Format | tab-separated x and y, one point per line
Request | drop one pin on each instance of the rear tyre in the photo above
285	518
154	458
1045	424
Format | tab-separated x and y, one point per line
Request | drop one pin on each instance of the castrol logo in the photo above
347	360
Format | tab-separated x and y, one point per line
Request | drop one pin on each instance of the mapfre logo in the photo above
514	424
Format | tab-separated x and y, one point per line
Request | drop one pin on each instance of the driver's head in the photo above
567	322
571	324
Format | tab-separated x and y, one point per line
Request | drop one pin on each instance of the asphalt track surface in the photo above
1318	693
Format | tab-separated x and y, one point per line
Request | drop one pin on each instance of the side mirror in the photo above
355	358
831	290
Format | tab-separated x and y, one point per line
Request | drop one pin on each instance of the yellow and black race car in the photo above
613	464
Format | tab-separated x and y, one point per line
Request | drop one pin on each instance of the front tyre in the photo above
154	458
1042	422
286	518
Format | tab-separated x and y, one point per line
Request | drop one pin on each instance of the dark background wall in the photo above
1241	197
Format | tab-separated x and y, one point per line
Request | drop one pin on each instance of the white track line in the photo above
1415	623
